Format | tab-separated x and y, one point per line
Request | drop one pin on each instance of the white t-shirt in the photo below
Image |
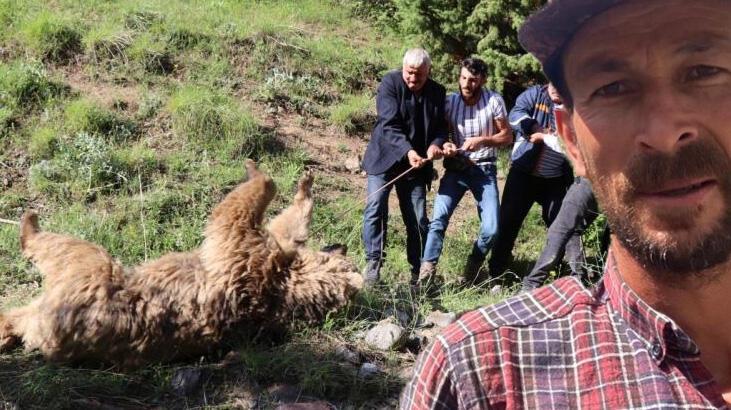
475	121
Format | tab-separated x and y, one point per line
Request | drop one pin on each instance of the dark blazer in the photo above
394	133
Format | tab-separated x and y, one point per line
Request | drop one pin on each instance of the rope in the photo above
386	185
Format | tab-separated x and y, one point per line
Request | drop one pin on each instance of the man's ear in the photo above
568	136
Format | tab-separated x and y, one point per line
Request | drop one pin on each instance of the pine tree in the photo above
454	29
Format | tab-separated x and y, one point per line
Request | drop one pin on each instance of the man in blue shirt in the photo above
540	172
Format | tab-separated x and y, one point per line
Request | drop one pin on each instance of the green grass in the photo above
87	116
52	38
25	86
202	116
355	114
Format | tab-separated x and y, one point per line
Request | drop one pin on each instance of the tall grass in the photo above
52	38
203	116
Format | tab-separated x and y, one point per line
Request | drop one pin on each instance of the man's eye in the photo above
702	71
611	90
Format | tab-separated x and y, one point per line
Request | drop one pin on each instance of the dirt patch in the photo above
124	98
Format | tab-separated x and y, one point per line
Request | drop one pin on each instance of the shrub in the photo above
85	115
201	115
26	86
52	38
149	105
300	93
355	114
49	177
84	165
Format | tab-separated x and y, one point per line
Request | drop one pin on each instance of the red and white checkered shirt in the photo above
563	346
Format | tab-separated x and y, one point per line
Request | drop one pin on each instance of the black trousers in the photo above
521	191
578	210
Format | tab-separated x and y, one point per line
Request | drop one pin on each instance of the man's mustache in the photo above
700	159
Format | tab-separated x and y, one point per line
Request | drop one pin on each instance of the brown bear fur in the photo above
94	309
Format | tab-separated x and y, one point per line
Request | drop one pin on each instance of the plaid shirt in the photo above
563	346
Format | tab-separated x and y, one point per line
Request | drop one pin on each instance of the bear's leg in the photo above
60	256
243	208
9	338
234	228
291	227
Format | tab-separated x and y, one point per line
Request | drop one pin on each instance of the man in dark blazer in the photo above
409	134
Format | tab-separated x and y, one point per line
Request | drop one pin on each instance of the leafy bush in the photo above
149	106
300	93
201	115
52	38
355	114
85	115
25	86
84	165
452	31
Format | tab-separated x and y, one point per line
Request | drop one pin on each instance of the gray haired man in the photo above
409	132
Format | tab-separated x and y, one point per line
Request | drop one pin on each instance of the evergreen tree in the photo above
454	29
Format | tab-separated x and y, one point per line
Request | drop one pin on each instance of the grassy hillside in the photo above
123	123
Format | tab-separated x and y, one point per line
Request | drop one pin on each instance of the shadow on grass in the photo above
308	362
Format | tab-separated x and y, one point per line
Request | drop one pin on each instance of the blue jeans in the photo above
412	201
481	180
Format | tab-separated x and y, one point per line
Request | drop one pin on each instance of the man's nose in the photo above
669	121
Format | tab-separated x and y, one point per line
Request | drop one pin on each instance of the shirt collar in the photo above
658	330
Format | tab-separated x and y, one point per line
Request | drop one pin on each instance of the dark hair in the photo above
475	66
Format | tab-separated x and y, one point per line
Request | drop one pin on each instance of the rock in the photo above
496	290
315	405
368	370
346	354
440	319
186	380
352	164
284	393
402	317
385	335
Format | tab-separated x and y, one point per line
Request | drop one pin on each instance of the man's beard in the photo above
674	255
